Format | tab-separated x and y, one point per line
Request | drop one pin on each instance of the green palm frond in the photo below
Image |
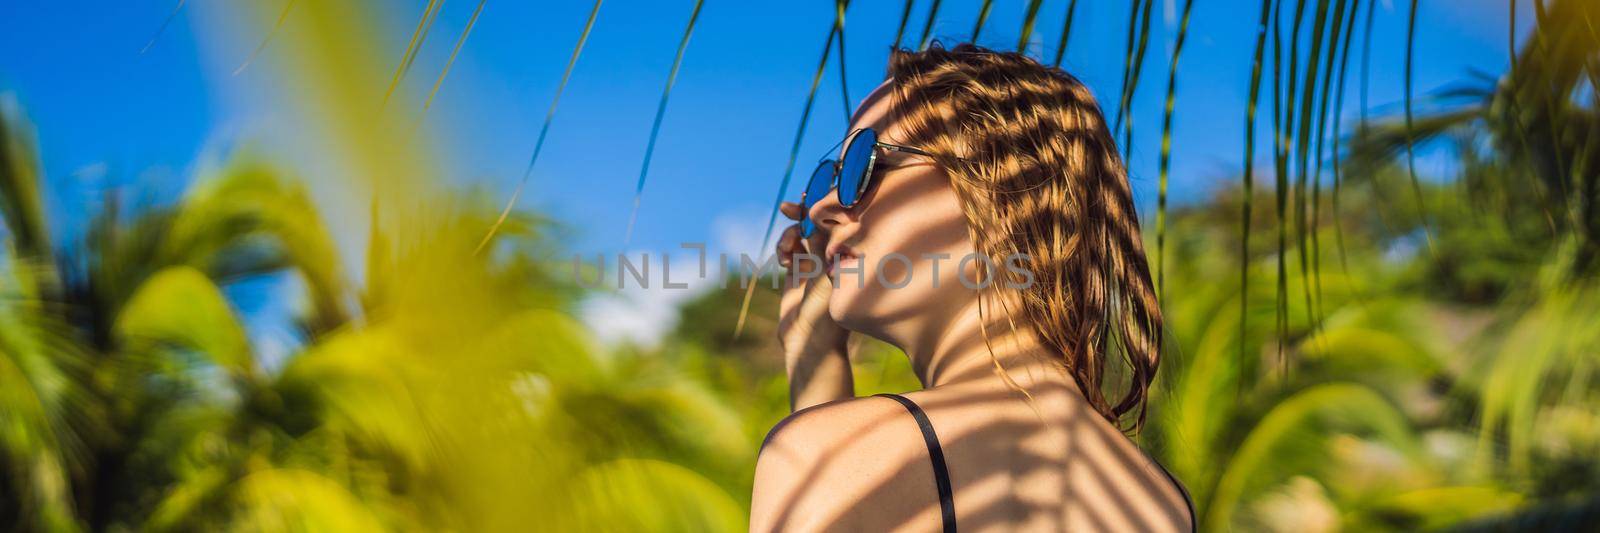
249	205
1166	149
181	307
1411	158
1306	127
905	17
418	36
1248	177
549	116
21	207
1543	350
661	111
276	27
1133	65
1027	24
839	7
1338	133
163	27
271	499
1437	508
1382	141
1286	434
299	500
983	16
1066	32
1282	126
794	153
927	26
42	414
47	414
643	494
454	52
360	385
1535	118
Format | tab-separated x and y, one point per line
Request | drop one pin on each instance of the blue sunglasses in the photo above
851	175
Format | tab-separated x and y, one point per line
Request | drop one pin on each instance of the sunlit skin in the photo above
842	463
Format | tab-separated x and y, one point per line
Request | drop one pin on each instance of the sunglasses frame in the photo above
837	165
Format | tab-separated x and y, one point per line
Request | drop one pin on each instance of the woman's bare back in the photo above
862	465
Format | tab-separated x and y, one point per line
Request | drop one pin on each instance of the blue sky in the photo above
108	116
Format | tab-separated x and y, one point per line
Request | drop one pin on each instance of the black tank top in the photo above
941	473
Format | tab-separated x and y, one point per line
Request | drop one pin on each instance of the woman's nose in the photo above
828	214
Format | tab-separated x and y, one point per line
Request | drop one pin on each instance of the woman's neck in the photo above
968	346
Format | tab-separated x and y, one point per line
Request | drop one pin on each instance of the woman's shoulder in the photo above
827	465
828	422
838	435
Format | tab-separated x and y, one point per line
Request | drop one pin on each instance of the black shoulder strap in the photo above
941	474
1194	524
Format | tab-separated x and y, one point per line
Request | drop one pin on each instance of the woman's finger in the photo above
790	209
788	244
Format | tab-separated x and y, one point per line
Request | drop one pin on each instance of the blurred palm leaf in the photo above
1435	508
250	204
45	411
1539	363
649	495
1288	434
180	307
1537	120
20	205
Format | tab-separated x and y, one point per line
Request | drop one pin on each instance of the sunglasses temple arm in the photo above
905	149
910	150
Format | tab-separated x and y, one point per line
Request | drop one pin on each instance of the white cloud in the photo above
93	172
644	315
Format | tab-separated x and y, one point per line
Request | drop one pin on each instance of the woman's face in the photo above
903	250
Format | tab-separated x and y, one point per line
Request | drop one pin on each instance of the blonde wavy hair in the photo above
1034	164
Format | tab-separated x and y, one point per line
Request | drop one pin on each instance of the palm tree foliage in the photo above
431	394
1395	407
1538	125
135	397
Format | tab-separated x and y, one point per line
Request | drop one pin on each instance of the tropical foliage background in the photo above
1353	348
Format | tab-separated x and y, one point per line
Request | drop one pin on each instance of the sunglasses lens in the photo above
816	189
853	171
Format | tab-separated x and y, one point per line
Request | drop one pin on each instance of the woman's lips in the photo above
840	255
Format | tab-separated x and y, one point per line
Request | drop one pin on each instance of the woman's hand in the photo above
803	321
814	346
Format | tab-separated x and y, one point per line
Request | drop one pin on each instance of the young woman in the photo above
978	218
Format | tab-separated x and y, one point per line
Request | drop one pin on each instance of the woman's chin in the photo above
861	310
848	309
